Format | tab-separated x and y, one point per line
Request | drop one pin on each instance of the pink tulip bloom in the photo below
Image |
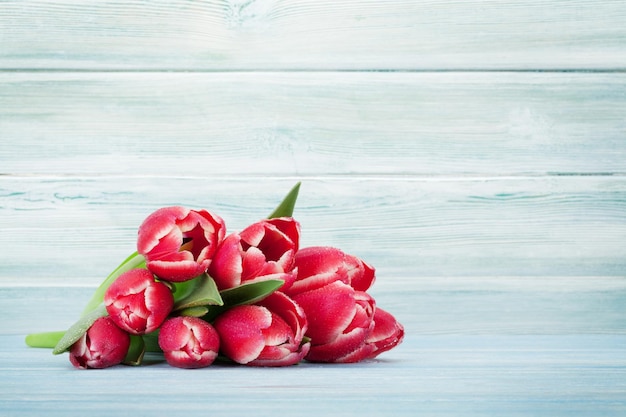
387	333
340	321
188	342
318	266
164	232
267	334
263	250
137	303
343	324
103	345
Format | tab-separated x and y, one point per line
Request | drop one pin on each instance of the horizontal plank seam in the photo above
305	70
360	176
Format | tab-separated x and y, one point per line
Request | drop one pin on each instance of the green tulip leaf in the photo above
136	350
44	340
78	329
151	341
200	291
285	208
243	294
250	293
198	311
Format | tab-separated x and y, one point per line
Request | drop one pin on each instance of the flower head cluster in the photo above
253	297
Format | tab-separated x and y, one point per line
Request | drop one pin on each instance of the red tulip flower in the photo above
321	265
163	233
188	342
103	345
267	334
387	333
263	250
340	321
137	303
330	287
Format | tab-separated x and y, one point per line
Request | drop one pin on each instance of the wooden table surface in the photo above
474	152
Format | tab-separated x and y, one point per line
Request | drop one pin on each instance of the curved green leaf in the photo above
151	341
136	350
285	208
78	329
44	340
250	293
199	311
200	291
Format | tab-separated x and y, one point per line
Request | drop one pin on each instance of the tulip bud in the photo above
340	320
267	334
263	250
318	266
387	333
103	345
179	243
188	342
137	303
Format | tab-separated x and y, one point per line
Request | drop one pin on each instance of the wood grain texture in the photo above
579	375
426	306
473	151
455	358
310	124
80	228
311	34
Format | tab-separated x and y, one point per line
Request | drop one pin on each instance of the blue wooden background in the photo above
474	152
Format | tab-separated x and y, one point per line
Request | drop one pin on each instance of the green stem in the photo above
132	262
44	340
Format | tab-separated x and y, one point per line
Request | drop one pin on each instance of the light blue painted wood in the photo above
313	34
471	348
311	124
426	306
435	376
491	203
77	229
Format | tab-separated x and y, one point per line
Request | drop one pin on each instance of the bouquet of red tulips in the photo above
254	297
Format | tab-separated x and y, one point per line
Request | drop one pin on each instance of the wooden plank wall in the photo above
473	151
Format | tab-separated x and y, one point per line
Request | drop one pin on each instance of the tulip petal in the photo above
137	303
177	270
188	342
329	310
240	330
343	345
157	226
315	260
289	359
289	228
226	267
361	274
364	351
279	332
318	266
253	234
103	345
289	311
179	243
253	262
386	334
